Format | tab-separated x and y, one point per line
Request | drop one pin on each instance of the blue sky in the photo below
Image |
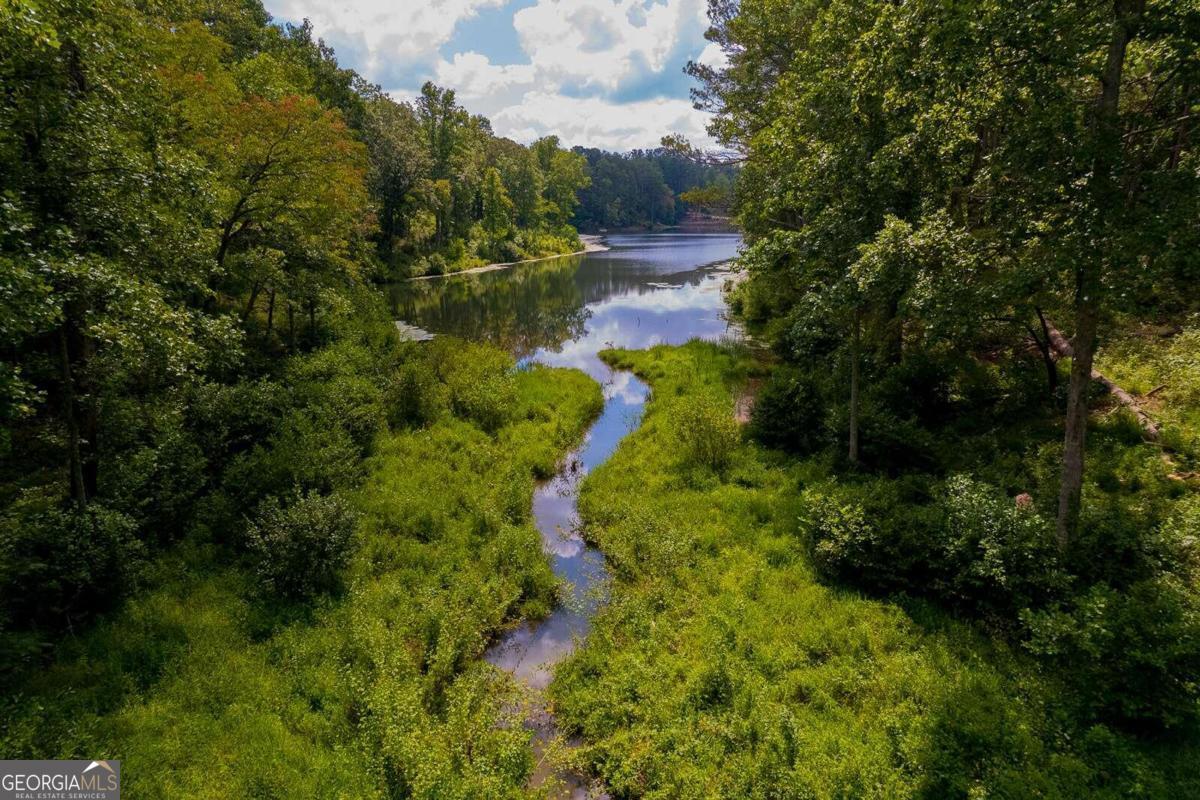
600	73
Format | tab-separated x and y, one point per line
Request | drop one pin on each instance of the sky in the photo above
598	73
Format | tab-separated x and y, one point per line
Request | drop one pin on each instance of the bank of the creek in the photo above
644	290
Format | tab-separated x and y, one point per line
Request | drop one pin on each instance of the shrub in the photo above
876	534
706	431
1133	656
892	444
435	264
918	387
838	532
789	413
301	546
305	451
335	386
995	554
60	565
415	397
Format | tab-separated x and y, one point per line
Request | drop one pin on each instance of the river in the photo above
644	290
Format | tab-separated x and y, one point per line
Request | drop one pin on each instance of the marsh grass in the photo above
203	689
724	667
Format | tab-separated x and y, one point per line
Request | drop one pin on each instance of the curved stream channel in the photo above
645	290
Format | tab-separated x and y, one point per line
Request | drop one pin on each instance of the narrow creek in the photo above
645	290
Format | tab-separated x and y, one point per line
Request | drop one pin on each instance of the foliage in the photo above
375	691
724	667
999	554
705	431
647	188
479	381
62	564
301	545
1019	167
789	413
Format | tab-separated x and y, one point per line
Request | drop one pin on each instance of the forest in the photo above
924	522
650	188
198	377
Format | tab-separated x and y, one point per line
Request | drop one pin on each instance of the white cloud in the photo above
591	63
713	56
603	43
482	86
383	29
596	122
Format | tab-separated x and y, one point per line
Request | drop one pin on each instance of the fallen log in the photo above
1062	347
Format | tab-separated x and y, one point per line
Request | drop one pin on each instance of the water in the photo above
645	290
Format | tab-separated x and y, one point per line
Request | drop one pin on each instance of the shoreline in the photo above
591	244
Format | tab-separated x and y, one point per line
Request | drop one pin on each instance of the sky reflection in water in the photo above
646	290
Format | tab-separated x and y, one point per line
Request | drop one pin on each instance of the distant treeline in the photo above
649	188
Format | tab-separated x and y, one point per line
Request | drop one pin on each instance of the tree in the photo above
1039	153
398	164
497	208
565	173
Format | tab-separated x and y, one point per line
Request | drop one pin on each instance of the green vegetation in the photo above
237	672
730	663
927	190
1021	169
251	543
193	204
649	188
1161	364
254	545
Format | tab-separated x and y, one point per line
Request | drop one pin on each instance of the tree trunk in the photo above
855	356
270	313
1044	346
1087	277
74	451
254	290
1084	349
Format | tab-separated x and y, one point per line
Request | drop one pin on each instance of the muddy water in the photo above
645	290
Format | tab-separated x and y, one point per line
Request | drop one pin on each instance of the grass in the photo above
1142	360
205	688
723	668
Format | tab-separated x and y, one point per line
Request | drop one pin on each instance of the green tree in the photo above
497	208
565	173
398	164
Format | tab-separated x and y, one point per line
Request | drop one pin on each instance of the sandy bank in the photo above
591	244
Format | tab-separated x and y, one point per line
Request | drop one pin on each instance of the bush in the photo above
335	385
706	431
877	534
892	444
1133	656
995	554
918	387
60	565
301	546
415	397
312	453
435	264
789	413
839	535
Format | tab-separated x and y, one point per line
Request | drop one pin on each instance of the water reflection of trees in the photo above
534	305
546	304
